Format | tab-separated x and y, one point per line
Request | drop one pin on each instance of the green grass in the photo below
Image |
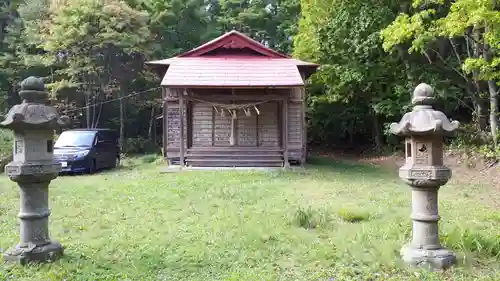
6	139
331	221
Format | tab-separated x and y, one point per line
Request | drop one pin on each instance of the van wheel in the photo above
92	168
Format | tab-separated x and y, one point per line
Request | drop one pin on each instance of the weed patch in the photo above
353	216
309	218
473	242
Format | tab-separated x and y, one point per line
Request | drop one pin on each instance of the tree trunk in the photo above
479	117
122	115
404	7
377	133
9	17
87	104
492	89
96	124
12	96
93	111
408	69
478	100
151	123
481	114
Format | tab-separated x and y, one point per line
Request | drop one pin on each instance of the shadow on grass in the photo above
75	265
344	166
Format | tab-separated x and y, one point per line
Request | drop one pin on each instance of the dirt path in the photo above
466	171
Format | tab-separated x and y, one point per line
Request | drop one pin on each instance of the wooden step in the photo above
234	156
234	160
225	155
211	149
233	163
234	153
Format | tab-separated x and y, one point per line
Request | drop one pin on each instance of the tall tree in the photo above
177	25
343	36
464	35
271	22
100	45
19	56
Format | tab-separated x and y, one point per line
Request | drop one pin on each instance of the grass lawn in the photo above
331	221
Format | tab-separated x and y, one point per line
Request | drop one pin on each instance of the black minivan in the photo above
87	150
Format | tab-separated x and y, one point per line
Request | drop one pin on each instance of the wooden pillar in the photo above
303	121
164	121
303	127
189	124
181	122
213	126
257	129
284	131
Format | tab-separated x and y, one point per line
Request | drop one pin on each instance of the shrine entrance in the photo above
233	102
234	123
233	127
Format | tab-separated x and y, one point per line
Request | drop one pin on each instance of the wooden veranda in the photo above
234	102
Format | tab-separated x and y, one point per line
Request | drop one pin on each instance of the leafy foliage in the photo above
355	70
468	31
461	19
177	25
372	54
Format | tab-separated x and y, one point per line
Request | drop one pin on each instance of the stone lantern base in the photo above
431	259
35	245
33	254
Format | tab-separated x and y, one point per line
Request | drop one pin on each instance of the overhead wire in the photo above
112	100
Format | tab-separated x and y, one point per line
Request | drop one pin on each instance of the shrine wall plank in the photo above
269	134
172	123
296	121
222	129
246	126
202	124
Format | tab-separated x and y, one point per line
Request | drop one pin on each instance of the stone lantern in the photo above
32	168
424	171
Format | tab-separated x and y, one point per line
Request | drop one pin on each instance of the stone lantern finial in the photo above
424	171
423	95
33	90
33	168
32	113
423	119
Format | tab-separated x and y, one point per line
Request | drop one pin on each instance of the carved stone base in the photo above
34	254
436	259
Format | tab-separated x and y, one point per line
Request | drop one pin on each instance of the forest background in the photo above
91	54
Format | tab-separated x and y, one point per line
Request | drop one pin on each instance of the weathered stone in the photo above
423	119
424	171
434	259
33	167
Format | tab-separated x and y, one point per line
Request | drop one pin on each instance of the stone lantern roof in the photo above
32	113
423	119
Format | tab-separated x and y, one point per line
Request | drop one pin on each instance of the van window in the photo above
75	139
108	136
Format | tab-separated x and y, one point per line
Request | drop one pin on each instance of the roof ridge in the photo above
224	40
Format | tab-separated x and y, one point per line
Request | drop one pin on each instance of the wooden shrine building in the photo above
233	102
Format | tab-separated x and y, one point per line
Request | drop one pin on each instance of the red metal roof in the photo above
233	40
232	72
263	67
